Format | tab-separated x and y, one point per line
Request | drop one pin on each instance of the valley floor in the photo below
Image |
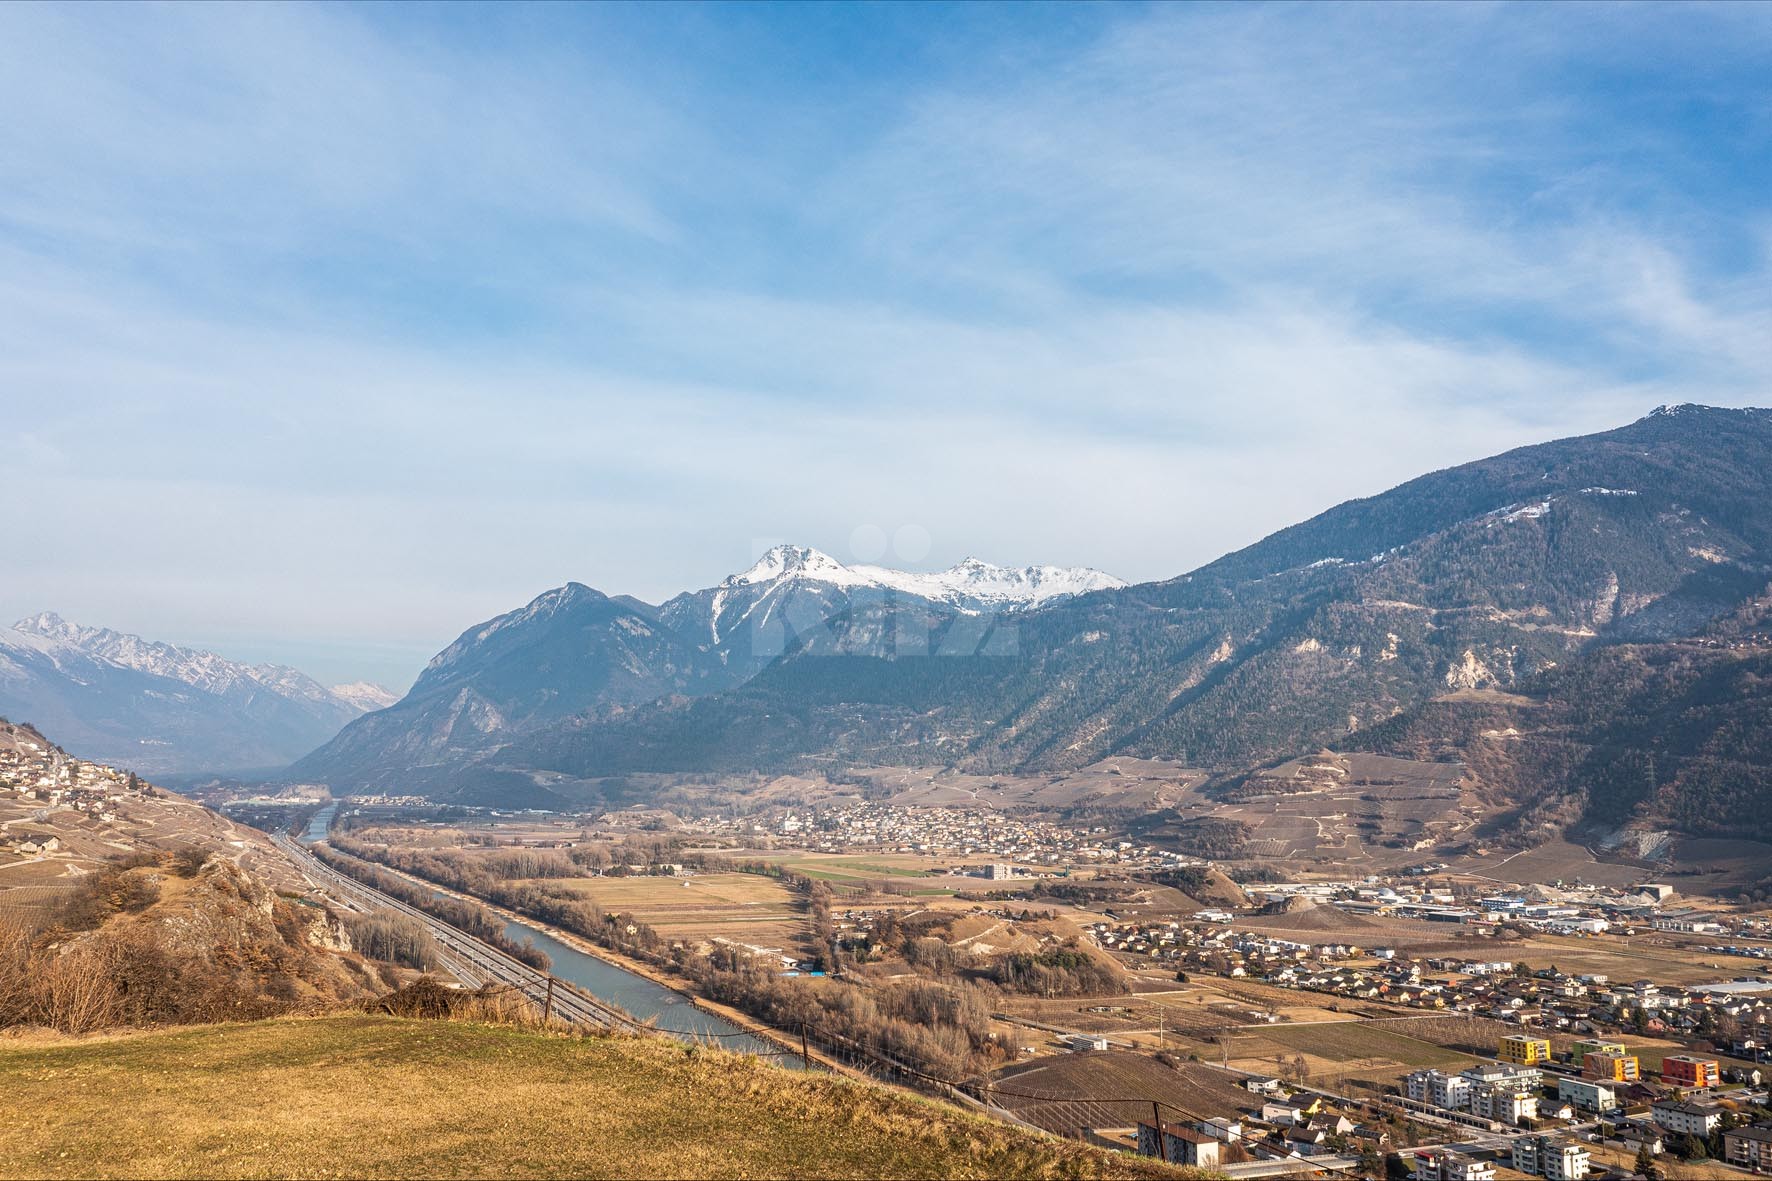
369	1096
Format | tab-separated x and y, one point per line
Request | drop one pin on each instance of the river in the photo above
646	999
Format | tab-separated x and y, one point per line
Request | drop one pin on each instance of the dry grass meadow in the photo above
367	1096
742	906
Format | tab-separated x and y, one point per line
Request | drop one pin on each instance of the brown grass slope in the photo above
369	1096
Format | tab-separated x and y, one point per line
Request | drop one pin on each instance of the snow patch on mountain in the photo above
366	695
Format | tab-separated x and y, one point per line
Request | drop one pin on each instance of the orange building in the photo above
1612	1068
1687	1070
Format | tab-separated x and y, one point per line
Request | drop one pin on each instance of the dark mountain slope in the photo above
1478	577
517	672
574	652
1675	734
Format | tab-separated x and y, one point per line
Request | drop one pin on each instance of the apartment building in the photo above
1689	1070
1524	1051
1550	1158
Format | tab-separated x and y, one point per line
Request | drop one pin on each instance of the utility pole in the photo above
805	1054
547	1008
1157	1118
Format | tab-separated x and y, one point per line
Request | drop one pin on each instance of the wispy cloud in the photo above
355	325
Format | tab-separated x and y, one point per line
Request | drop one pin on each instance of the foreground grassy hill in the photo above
370	1096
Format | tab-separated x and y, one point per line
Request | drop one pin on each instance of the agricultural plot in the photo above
28	907
1112	1088
1666	959
746	907
1132	785
1338	812
912	876
1556	861
1351	1043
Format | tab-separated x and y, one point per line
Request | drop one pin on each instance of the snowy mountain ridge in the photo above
207	671
971	586
162	709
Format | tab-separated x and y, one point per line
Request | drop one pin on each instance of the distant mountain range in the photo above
161	709
1584	588
576	651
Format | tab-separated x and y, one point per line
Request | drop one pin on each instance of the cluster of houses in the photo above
1551	1157
1496	989
954	832
35	774
1578	911
1283	1130
1494	1094
1287	1129
1501	1096
1598	1079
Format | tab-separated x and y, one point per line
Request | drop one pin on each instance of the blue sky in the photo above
327	331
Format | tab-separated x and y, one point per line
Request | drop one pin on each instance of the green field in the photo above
893	870
362	1096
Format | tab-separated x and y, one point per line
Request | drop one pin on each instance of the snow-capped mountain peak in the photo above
794	561
971	585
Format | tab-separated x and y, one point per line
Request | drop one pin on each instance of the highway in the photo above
466	958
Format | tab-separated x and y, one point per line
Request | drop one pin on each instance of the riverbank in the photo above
669	981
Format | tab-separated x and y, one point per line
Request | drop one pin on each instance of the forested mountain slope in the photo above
1675	734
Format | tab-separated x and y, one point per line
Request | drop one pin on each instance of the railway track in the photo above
473	962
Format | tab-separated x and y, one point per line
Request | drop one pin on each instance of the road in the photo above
1288	1167
466	958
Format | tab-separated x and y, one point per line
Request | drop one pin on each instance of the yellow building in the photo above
1524	1051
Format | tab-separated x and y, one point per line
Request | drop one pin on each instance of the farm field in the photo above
906	874
28	907
1352	1048
1666	959
1677	1170
743	906
1550	863
1067	1092
1188	1019
1720	866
